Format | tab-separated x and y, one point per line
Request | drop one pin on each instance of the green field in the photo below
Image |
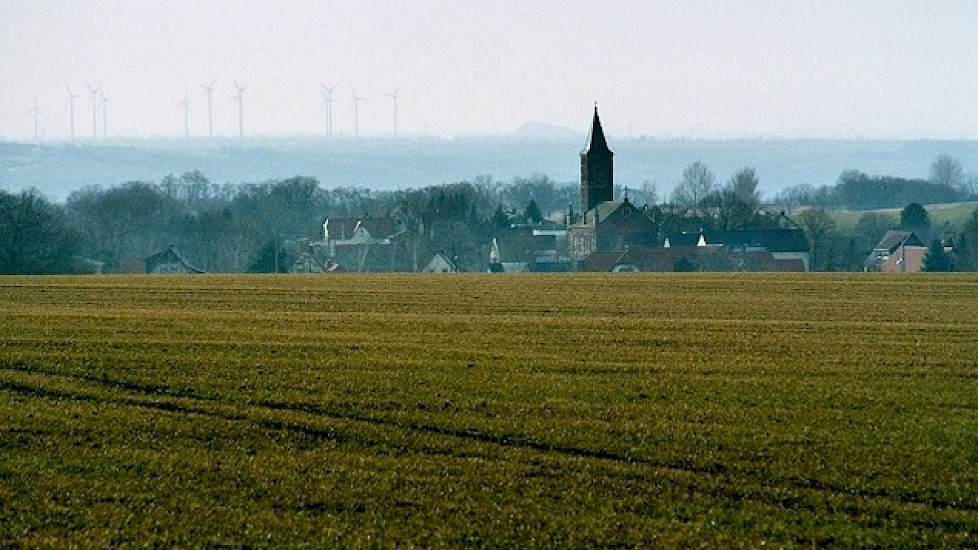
478	410
952	215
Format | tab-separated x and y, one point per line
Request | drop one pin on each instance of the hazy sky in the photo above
700	69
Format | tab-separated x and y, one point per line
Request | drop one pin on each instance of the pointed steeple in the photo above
597	171
595	135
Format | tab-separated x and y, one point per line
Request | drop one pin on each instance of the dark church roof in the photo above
605	209
595	137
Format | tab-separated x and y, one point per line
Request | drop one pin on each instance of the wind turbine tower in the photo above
37	115
94	92
393	97
105	115
210	108
356	113
240	98
328	103
185	105
71	110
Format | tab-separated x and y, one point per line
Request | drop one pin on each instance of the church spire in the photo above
597	172
595	135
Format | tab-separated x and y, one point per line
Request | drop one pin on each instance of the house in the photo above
365	244
789	247
897	252
339	232
168	261
440	263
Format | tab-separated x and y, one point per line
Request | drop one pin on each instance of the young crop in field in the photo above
572	409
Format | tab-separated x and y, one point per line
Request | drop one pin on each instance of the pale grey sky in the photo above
873	68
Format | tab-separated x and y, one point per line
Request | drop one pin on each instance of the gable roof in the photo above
445	259
607	208
168	256
896	237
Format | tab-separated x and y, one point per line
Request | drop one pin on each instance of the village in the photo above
611	234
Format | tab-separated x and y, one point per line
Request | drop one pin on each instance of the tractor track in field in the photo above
168	394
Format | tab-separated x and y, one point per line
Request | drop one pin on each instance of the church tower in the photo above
597	177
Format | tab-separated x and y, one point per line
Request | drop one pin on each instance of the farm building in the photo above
897	252
168	261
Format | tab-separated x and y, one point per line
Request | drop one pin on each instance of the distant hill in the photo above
544	131
57	169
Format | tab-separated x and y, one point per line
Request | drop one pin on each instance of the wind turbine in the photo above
210	108
94	92
240	98
37	115
356	113
105	115
71	109
185	104
328	103
393	97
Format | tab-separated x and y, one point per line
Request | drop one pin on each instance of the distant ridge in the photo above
544	131
57	169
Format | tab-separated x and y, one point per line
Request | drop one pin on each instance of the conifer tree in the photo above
936	259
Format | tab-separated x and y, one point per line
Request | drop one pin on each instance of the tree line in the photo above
856	190
255	227
232	227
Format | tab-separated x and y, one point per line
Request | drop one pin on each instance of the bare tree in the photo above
738	202
650	193
697	183
946	170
